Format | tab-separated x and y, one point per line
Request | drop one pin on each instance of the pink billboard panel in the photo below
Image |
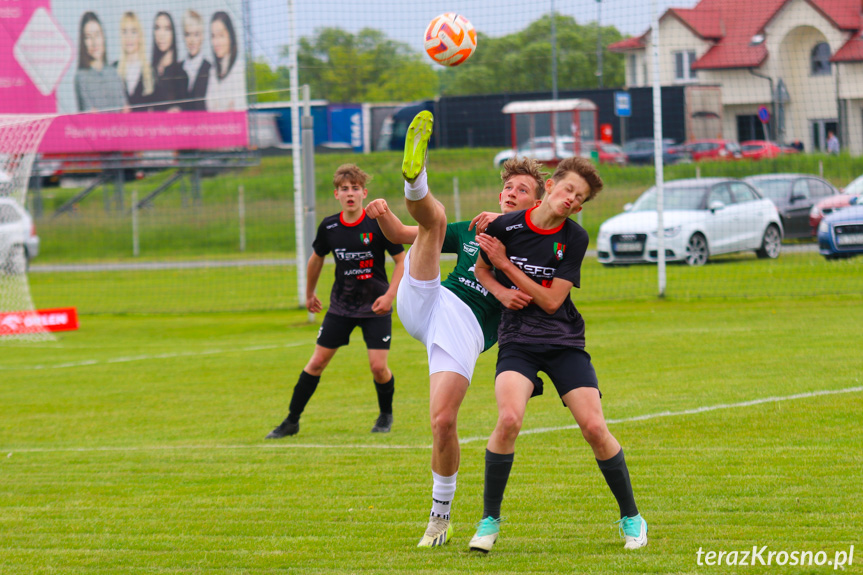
126	76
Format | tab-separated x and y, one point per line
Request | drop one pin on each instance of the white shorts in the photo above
442	322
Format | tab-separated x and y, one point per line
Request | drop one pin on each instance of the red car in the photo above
607	153
716	149
852	195
759	149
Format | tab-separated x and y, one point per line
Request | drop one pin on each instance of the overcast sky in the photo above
406	20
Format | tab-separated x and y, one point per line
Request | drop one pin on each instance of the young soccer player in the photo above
539	252
360	297
456	319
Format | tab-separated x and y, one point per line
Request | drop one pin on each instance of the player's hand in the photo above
482	221
377	208
494	249
313	304
383	305
515	299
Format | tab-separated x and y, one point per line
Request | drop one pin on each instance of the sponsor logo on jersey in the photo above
367	238
559	250
470	248
515	227
344	255
540	272
331	226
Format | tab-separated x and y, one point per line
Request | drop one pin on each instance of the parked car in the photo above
641	151
760	150
18	240
840	235
851	195
702	218
701	150
794	196
543	150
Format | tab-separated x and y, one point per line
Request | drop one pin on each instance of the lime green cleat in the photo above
438	532
487	531
634	531
416	145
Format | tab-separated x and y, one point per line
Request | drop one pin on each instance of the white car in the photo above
701	218
539	149
18	240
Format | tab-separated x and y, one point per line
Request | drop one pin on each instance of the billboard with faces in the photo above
165	75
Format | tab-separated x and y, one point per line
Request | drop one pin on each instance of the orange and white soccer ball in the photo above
450	39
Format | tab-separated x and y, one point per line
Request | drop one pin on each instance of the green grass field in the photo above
135	445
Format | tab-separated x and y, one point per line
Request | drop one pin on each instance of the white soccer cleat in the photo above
634	531
487	531
438	532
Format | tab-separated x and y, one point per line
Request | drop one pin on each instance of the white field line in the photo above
288	445
131	358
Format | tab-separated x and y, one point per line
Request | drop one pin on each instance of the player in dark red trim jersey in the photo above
539	252
361	296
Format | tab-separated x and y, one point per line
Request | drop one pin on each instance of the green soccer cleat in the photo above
487	531
416	145
634	531
438	532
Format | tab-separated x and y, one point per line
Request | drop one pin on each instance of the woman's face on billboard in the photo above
130	37
163	34
194	34
94	41
220	39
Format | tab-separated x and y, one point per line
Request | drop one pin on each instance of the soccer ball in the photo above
450	39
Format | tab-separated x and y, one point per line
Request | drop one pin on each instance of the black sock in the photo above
497	468
617	476
303	391
385	394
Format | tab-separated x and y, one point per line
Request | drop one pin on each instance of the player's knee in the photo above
443	423
509	423
380	371
594	431
316	366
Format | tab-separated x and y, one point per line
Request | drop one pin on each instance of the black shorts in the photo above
568	367
336	330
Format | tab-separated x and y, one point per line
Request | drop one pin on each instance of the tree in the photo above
364	67
521	62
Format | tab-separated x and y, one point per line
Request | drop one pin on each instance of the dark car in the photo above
794	196
840	235
641	151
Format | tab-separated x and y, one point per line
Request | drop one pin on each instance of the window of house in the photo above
683	62
820	60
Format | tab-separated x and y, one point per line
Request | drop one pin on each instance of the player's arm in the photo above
384	304
548	298
313	273
392	227
508	298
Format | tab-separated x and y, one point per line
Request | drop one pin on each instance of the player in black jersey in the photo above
360	297
539	252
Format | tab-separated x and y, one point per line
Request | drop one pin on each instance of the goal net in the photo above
19	140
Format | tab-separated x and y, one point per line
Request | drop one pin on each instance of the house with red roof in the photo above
799	60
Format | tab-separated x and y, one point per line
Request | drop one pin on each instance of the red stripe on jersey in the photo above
541	230
356	223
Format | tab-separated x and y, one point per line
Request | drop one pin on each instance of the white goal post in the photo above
20	135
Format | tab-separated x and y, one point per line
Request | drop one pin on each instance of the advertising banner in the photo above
23	322
126	76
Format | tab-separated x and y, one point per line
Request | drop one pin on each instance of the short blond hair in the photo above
525	167
584	168
352	174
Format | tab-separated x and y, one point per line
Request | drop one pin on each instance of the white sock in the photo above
419	188
443	492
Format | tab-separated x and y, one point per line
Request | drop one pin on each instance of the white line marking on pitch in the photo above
89	362
693	411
